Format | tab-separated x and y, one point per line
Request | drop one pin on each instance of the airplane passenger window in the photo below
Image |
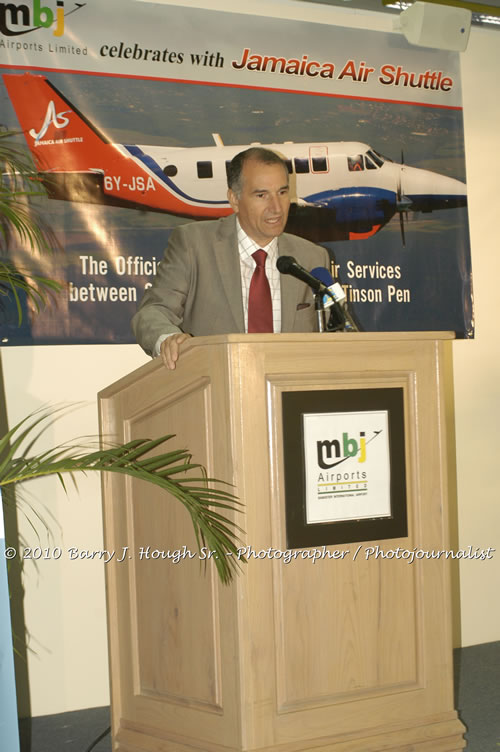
301	165
319	164
170	170
355	163
205	169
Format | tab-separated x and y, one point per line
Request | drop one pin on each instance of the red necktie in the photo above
260	307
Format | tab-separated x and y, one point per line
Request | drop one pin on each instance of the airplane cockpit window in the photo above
301	165
170	170
205	169
355	163
377	158
289	167
369	164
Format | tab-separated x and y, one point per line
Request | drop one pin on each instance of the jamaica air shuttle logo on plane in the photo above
57	119
17	19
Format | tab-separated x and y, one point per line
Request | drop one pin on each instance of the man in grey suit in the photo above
203	285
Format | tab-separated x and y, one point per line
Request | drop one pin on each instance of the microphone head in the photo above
321	273
285	263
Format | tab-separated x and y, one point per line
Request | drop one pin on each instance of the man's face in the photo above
263	203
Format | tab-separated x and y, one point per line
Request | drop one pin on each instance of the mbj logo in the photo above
340	451
57	119
42	17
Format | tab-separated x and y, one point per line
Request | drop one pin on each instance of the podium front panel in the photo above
331	647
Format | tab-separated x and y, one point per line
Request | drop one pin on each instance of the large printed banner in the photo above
131	112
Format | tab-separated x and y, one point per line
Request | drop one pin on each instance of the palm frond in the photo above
19	283
22	219
19	219
14	157
207	506
22	224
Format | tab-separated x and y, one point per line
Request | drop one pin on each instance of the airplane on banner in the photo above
339	190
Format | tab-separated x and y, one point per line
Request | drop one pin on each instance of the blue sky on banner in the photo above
153	81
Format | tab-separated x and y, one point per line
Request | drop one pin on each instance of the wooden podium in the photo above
346	654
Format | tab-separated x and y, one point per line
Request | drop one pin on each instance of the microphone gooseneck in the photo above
322	283
288	265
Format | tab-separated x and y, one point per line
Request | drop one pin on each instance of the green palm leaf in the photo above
206	505
20	182
22	224
17	282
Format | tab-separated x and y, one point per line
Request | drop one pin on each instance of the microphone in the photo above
336	295
288	265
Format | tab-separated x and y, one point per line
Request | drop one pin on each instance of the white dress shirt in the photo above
247	246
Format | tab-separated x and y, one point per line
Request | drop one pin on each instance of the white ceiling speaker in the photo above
432	25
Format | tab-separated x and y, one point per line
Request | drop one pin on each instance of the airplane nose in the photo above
429	190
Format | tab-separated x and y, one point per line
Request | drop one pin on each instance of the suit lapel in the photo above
228	264
290	291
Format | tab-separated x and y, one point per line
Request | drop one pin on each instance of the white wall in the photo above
477	363
64	603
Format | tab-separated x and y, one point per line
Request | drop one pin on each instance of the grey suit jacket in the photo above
198	285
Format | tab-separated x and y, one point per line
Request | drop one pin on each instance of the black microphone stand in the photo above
320	311
336	321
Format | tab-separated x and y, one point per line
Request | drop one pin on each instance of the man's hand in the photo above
169	349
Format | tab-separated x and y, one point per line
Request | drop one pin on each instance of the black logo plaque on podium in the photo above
345	469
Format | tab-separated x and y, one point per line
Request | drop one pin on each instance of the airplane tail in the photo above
59	137
77	162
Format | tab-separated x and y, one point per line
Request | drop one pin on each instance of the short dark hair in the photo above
257	153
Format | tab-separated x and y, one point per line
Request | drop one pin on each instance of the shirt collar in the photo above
247	246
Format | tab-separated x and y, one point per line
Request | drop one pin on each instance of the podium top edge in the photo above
316	337
309	338
281	339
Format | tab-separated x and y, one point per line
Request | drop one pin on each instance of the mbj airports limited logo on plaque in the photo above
347	465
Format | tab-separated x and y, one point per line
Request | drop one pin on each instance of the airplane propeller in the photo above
403	203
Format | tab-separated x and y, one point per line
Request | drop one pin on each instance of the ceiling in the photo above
491	7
